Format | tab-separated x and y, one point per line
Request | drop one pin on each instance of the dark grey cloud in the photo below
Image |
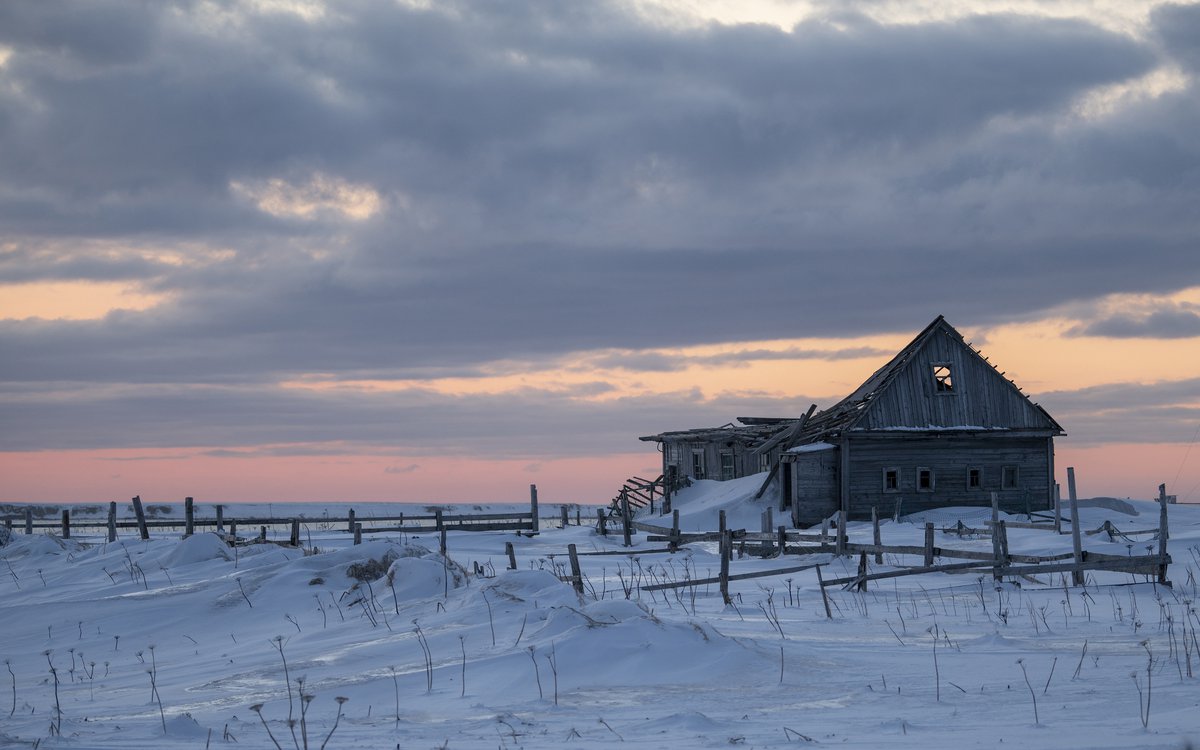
526	423
1161	412
660	362
1172	321
554	178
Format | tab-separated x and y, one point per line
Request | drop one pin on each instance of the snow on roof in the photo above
812	448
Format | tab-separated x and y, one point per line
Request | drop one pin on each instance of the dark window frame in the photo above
896	486
944	382
978	471
922	470
1010	477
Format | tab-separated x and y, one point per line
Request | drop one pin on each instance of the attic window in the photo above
943	380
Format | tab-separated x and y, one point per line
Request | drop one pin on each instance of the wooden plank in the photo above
1076	543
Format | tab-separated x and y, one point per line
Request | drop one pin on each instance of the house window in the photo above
764	461
891	479
697	464
924	480
1009	478
974	478
943	379
726	466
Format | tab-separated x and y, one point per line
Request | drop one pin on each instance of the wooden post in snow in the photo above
438	524
442	541
626	519
601	522
512	555
262	534
233	529
840	544
928	544
29	521
357	532
533	508
726	552
875	536
141	517
66	524
674	543
294	537
576	573
781	536
1162	533
862	572
220	518
563	515
997	558
1076	541
1002	534
824	596
112	521
189	517
1057	509
350	520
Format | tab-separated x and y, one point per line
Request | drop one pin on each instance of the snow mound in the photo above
196	549
38	545
700	504
422	577
184	725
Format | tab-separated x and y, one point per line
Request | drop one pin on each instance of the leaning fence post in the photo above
576	573
66	524
29	520
533	507
512	555
726	552
1162	533
189	518
875	537
824	596
928	543
141	517
862	572
1076	542
626	521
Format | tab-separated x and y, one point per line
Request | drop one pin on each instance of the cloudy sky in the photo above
378	249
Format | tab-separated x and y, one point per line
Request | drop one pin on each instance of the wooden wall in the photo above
815	484
949	458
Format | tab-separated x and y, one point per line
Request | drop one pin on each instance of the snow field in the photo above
546	668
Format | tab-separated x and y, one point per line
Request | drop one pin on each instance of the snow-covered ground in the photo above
191	635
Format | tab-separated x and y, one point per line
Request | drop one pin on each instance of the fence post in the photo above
350	520
512	555
262	533
294	538
824	596
141	517
576	573
875	536
862	571
562	512
66	524
1002	532
220	518
997	559
1076	541
357	533
233	529
1162	533
533	507
840	544
442	541
782	536
112	521
438	523
726	552
721	525
601	522
28	520
189	518
626	521
1057	509
674	545
578	516
928	544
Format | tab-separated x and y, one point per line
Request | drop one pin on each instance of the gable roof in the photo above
855	411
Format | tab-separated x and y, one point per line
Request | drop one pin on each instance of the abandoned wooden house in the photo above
937	425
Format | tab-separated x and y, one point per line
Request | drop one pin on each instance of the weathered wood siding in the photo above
745	460
815	484
949	458
981	396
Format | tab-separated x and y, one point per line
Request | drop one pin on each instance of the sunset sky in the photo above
440	250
